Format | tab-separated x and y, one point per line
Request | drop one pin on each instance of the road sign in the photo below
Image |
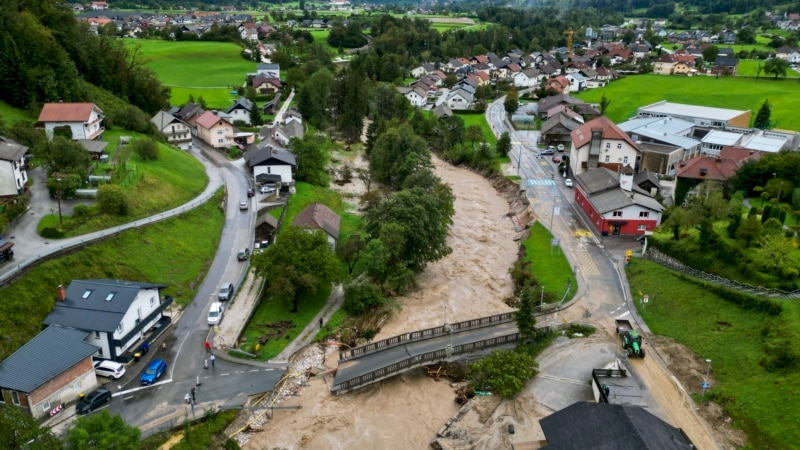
646	298
556	210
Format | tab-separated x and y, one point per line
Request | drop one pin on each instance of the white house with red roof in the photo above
214	130
85	120
601	143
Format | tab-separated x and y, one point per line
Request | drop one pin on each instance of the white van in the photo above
215	313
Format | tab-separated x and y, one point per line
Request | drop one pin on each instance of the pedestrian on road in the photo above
163	347
194	389
208	347
320	322
212	358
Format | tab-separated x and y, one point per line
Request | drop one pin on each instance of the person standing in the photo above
208	347
194	389
163	347
212	358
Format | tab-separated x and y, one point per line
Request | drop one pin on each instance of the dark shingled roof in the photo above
318	216
586	425
44	357
95	313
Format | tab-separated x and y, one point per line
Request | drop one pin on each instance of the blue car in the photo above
153	372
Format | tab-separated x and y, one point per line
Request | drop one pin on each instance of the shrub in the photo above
504	371
52	233
112	199
146	148
80	210
361	298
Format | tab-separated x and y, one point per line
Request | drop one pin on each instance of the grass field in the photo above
760	402
175	178
549	266
480	120
747	68
321	37
9	114
176	252
207	69
630	93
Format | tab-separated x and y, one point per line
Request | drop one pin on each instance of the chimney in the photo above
61	293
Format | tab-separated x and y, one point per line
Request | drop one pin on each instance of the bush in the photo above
146	148
80	210
112	199
52	233
361	298
504	371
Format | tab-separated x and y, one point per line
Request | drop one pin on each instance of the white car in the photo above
267	189
243	205
561	147
568	182
109	369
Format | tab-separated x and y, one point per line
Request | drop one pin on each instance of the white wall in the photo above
285	171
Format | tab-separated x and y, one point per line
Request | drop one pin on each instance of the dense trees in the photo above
504	371
101	430
312	159
397	154
18	429
776	67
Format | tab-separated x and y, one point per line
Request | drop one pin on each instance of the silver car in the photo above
109	369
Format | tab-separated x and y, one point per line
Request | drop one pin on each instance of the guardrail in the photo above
421	335
419	360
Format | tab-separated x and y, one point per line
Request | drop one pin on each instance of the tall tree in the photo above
349	251
102	430
604	104
19	429
750	230
397	154
512	102
312	159
776	67
313	100
299	264
504	144
762	120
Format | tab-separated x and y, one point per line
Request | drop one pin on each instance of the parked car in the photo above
568	182
251	192
549	151
267	189
556	159
243	205
109	369
243	254
225	292
92	401
153	371
561	147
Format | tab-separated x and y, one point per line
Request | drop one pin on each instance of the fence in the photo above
421	335
667	261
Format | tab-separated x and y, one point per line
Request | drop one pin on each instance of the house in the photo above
557	129
317	216
725	66
116	314
691	172
189	114
270	70
99	6
592	425
600	143
417	96
559	84
54	367
264	84
663	141
284	132
13	176
577	82
272	164
214	130
442	110
271	107
240	110
527	78
703	116
614	204
459	99
83	120
177	132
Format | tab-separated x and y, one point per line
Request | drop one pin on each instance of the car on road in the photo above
225	292
568	182
251	192
267	189
243	205
556	159
153	372
92	401
243	254
549	151
561	147
109	369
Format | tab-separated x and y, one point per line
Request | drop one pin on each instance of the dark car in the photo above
251	192
153	371
243	254
225	292
92	401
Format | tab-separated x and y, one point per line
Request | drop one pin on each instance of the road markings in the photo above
545	182
563	380
116	394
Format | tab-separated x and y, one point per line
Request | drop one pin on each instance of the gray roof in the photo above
48	354
162	119
591	425
94	312
271	156
93	146
601	187
10	150
241	103
292	129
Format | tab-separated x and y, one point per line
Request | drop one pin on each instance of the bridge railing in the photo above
421	359
421	335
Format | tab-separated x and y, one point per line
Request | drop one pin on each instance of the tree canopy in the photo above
101	430
398	153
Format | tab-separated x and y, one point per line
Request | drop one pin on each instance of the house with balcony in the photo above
78	120
601	143
115	315
271	164
215	130
13	175
177	132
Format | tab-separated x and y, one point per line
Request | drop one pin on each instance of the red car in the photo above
556	159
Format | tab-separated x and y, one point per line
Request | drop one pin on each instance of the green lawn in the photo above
321	37
10	114
207	69
549	266
152	186
176	252
762	403
480	120
747	68
308	194
630	93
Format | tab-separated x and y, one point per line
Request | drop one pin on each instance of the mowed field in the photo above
208	69
630	93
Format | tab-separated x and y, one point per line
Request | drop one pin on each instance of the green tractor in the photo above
631	339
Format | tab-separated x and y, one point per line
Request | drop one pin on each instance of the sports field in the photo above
630	93
207	69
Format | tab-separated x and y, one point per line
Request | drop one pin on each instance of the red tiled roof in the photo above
318	216
482	59
208	120
66	112
707	168
739	154
583	134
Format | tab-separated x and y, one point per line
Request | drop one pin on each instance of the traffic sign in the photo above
646	298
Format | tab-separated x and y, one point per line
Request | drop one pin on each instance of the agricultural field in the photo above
630	93
207	69
747	68
11	114
321	37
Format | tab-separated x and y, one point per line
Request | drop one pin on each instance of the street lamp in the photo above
705	380
58	197
708	369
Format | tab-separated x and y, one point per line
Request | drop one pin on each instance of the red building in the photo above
614	204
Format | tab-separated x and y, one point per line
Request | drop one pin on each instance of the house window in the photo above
608	144
616	214
110	296
219	141
46	406
619	146
219	131
625	160
97	335
119	328
15	397
644	214
642	227
76	386
86	293
608	158
152	301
